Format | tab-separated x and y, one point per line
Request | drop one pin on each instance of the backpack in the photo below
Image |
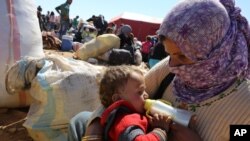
120	56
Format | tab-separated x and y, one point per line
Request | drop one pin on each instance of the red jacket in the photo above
126	119
146	47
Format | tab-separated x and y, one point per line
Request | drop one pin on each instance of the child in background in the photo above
122	93
145	50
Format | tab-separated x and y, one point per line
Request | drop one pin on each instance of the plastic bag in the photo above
60	88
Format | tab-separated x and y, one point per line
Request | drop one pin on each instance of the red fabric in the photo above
123	121
146	47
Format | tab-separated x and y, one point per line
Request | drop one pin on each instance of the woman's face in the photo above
177	58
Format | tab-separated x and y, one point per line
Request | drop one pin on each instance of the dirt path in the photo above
11	128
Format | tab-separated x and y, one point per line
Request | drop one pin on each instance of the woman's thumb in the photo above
191	125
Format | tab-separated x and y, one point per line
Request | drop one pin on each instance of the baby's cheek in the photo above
141	104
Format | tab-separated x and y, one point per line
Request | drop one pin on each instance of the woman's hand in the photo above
182	133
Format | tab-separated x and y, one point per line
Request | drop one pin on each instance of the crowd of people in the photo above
151	49
48	21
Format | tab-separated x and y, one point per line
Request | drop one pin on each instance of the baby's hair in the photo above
114	78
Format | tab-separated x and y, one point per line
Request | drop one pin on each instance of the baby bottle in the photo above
159	106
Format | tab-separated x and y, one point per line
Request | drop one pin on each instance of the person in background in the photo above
125	36
52	21
39	16
75	22
57	23
137	43
109	30
80	24
47	20
104	25
113	26
157	53
88	33
145	49
63	11
99	22
122	93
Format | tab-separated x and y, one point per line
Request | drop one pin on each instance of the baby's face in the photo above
134	92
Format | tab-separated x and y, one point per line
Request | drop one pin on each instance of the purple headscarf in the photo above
215	36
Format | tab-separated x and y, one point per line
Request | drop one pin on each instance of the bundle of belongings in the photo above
50	41
106	47
59	89
98	46
85	33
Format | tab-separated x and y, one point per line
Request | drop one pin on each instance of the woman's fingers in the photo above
192	123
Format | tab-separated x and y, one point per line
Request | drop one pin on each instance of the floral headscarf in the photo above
215	36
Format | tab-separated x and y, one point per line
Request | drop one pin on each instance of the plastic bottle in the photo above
157	106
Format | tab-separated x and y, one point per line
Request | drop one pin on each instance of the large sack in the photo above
60	88
98	46
19	36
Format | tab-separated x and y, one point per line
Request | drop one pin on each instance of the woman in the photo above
207	41
208	45
125	36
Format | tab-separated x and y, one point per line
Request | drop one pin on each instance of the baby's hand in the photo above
160	121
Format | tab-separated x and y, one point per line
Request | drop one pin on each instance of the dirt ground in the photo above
58	52
11	128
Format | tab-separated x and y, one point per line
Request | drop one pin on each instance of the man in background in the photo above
63	11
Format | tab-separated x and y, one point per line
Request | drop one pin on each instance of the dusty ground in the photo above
11	128
58	52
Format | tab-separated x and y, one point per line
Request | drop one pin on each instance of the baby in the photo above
122	93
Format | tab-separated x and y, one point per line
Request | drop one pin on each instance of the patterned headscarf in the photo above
215	36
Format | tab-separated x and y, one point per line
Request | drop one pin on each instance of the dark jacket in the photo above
158	52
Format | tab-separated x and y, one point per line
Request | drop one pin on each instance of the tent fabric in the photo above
142	25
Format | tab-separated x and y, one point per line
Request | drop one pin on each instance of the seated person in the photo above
89	32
